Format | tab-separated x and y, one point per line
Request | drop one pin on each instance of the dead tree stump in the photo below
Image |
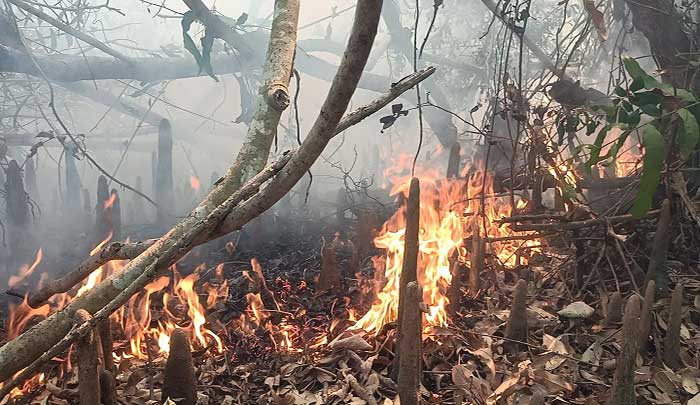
329	279
646	316
88	364
72	203
164	173
30	179
409	270
672	341
104	329
87	203
411	328
477	258
659	250
16	199
453	162
516	328
613	313
17	210
108	388
103	225
115	214
623	381
454	293
179	383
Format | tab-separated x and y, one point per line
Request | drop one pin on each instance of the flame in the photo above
21	315
96	276
194	184
181	308
447	210
26	271
110	201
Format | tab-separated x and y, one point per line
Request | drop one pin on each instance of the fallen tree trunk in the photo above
196	228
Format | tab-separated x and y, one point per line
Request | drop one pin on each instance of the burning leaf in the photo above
577	310
597	17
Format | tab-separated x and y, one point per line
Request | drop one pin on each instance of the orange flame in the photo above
194	184
110	201
447	210
26	271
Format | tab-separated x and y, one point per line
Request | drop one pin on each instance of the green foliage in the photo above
654	151
656	104
203	59
688	134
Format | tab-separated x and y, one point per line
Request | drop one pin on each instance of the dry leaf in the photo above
354	342
577	310
554	345
598	19
694	400
689	381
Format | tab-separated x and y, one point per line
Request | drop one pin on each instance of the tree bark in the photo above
273	96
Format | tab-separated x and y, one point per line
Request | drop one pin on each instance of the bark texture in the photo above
179	384
516	328
672	341
409	369
623	381
88	364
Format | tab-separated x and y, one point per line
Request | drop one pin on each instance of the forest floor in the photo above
569	356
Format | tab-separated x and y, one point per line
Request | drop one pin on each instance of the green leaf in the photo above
651	109
186	22
654	150
207	45
689	133
638	74
597	147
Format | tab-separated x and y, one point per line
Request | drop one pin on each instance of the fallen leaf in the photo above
694	400
554	345
689	381
593	354
354	342
577	310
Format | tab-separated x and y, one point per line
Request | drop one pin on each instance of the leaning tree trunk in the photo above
273	96
20	352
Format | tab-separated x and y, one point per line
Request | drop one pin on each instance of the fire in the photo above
110	201
26	271
447	210
96	276
21	315
195	184
181	309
